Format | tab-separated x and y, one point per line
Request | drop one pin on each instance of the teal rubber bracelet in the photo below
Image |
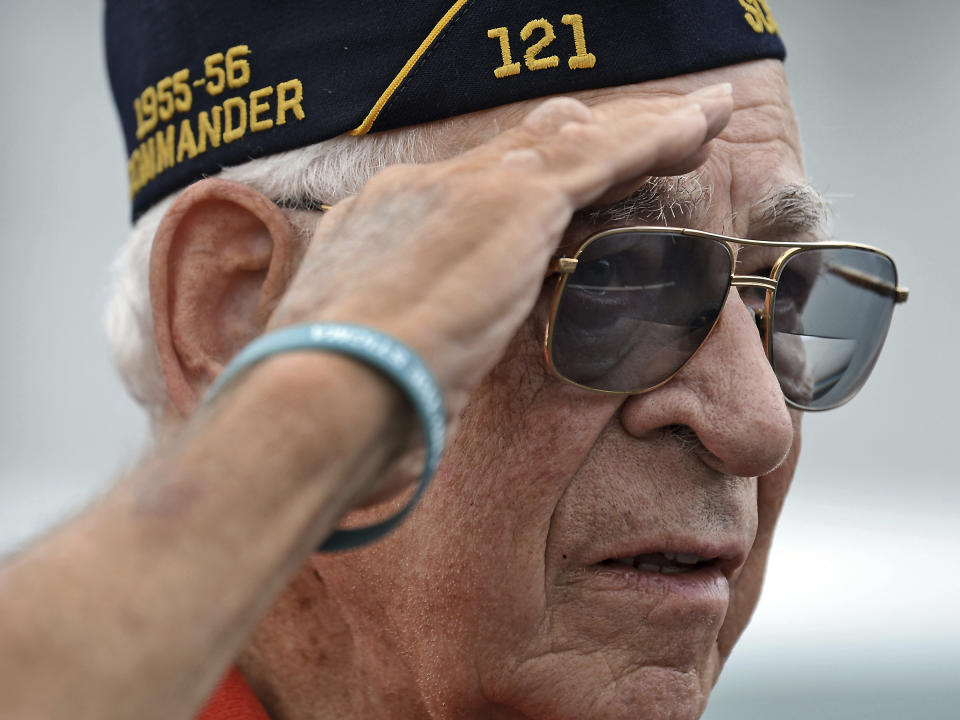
382	352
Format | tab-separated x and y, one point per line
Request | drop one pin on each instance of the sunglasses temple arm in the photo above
869	282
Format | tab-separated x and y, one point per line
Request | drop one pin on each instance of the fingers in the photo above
584	151
717	102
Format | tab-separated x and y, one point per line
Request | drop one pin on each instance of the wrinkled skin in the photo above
488	601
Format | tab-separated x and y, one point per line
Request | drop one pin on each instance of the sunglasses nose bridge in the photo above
753	281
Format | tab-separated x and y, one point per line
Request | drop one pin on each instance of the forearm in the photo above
135	607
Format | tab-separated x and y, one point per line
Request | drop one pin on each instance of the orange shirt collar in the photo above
233	700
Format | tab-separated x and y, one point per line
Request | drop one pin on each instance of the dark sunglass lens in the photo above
831	312
637	308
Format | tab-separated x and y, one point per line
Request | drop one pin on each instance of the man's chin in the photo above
660	694
618	667
647	693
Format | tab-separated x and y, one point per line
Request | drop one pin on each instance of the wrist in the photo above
330	407
379	353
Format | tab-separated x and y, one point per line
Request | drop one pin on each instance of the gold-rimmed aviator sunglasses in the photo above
634	305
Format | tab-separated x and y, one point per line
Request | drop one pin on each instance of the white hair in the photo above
325	172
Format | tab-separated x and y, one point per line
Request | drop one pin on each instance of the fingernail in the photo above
713	91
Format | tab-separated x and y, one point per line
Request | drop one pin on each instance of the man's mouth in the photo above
666	563
688	574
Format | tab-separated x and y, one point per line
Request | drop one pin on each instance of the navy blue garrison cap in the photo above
205	84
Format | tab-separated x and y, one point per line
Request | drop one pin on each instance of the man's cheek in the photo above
520	442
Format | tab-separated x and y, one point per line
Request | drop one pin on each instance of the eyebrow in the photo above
790	210
658	201
786	210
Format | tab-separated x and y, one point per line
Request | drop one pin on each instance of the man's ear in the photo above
222	258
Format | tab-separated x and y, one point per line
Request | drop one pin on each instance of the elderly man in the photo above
594	542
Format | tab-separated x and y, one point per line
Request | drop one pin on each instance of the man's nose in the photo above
728	395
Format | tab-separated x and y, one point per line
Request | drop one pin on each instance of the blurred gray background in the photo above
859	617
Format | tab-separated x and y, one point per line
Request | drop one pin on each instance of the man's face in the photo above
500	595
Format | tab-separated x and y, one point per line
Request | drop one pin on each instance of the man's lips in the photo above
667	563
674	557
687	575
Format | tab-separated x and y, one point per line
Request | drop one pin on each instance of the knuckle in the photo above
553	114
581	135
